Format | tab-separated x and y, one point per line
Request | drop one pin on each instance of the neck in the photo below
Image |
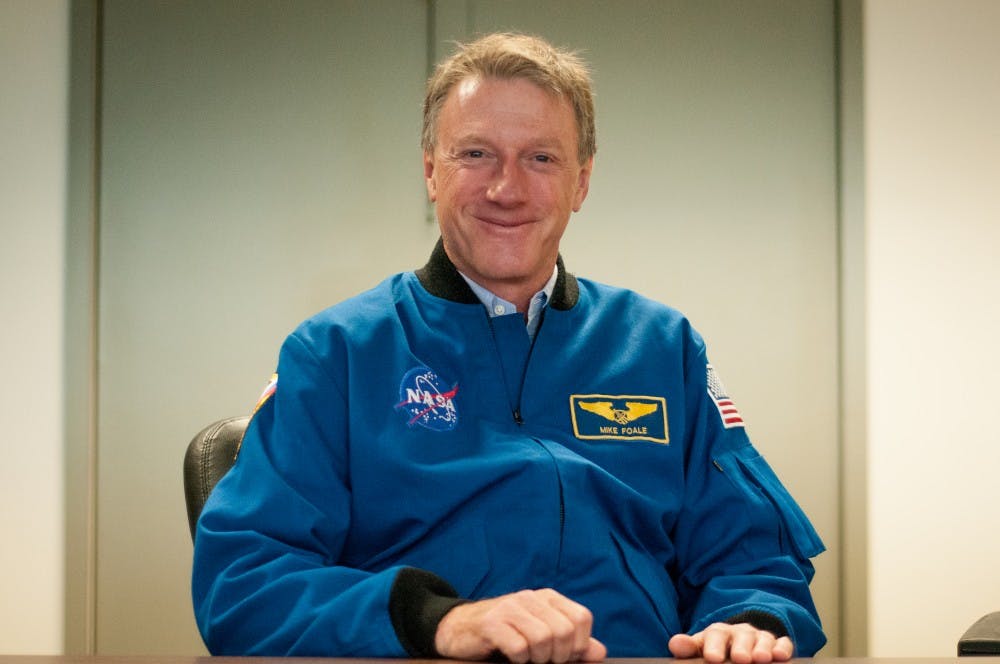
519	297
519	293
441	278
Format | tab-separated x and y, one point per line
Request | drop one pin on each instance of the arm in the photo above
268	576
743	543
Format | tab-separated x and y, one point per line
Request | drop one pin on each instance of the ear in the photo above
429	176
582	184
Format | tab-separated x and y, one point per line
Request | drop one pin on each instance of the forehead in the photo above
519	84
497	103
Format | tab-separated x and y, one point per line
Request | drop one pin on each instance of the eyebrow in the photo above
545	143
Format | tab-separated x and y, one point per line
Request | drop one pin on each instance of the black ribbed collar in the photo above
441	278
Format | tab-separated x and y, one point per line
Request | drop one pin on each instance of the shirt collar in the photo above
497	306
440	278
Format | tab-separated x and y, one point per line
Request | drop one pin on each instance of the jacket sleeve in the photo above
743	544
269	576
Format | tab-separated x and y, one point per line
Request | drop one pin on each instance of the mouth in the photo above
500	222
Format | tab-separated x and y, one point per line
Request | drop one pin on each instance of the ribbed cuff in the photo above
418	601
760	620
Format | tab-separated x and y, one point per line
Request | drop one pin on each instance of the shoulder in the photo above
327	342
356	315
635	313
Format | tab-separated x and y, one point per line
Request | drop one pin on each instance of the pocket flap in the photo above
804	537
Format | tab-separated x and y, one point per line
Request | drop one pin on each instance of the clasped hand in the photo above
544	626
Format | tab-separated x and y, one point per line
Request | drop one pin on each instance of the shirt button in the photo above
498	309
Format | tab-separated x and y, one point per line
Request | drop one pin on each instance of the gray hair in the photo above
510	55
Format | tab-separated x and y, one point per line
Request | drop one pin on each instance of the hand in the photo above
743	644
526	626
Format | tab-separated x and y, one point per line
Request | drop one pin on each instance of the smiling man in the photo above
505	173
447	468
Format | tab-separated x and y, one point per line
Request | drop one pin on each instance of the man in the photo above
557	476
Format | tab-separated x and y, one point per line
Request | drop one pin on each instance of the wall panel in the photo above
260	162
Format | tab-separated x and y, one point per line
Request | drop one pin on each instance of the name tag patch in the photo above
619	417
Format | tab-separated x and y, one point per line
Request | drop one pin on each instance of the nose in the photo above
508	186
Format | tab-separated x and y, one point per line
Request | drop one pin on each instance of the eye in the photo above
474	154
542	158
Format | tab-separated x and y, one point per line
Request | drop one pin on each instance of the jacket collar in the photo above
441	278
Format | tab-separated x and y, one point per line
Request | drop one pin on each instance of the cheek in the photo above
565	196
461	187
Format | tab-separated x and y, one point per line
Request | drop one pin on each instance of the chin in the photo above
503	268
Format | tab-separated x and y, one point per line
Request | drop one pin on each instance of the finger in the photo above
562	628
563	636
716	646
576	619
536	635
763	649
564	639
743	645
783	649
509	641
548	633
541	640
595	651
684	646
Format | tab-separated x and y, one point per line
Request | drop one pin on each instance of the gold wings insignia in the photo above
637	409
602	408
633	410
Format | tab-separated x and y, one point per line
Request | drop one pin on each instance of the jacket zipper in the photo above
515	411
515	408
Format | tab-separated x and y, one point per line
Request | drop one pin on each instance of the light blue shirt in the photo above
497	306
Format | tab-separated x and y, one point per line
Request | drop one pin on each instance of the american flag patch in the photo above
267	393
727	409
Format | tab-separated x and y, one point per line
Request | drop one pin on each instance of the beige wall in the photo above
932	97
33	117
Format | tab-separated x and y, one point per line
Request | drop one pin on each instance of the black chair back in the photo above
209	456
983	638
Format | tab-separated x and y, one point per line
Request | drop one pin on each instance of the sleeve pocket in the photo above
804	538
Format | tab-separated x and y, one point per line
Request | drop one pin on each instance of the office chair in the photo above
983	638
209	456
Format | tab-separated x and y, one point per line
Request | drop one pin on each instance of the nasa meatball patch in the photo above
427	400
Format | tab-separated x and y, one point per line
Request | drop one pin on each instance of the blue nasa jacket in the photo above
417	453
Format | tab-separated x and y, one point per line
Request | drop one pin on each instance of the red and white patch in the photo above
268	392
727	409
